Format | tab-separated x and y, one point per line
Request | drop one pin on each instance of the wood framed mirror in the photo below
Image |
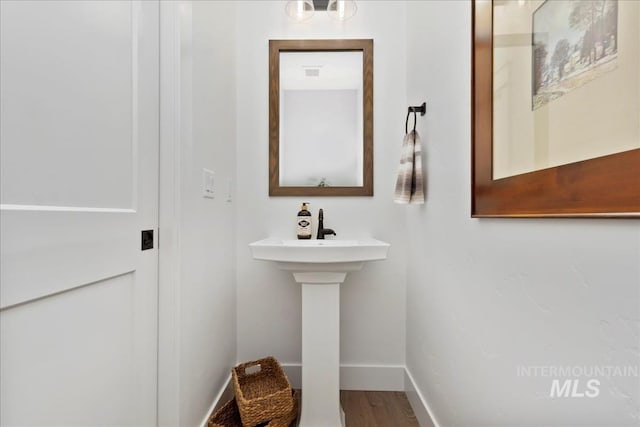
321	117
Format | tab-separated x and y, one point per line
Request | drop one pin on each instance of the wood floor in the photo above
364	409
377	409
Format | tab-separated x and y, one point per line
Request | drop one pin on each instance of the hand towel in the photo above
409	185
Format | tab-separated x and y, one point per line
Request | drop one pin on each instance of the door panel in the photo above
70	357
69	83
46	252
79	152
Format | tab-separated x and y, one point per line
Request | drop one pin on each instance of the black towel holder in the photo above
422	109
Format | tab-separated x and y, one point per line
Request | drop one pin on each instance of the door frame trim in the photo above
169	245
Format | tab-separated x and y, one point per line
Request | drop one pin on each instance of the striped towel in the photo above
409	185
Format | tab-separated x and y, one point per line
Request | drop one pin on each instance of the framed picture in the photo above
556	108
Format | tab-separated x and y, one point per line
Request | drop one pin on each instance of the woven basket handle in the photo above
256	365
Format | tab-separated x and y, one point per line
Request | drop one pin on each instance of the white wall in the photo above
485	296
198	311
373	300
208	281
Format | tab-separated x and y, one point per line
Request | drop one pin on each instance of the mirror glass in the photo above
321	119
321	115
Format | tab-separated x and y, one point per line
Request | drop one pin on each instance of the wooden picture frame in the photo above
328	45
607	186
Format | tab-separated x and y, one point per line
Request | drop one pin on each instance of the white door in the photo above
79	182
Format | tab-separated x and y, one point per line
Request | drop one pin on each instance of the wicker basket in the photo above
229	415
288	420
264	394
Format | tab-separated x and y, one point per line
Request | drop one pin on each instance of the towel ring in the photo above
422	109
406	122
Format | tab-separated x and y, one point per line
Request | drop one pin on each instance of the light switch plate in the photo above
208	184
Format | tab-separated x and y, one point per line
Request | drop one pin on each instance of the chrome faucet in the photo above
321	230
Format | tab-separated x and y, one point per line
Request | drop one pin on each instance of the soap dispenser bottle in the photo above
304	222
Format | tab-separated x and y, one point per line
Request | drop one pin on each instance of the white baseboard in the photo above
353	377
357	377
224	395
420	407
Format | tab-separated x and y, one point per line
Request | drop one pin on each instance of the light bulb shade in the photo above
341	9
299	10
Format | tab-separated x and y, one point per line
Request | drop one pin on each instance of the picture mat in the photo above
599	118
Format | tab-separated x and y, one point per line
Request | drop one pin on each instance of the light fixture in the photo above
299	10
342	9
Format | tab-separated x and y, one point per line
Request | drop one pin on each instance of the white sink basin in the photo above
319	251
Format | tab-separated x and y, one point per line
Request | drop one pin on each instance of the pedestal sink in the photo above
320	266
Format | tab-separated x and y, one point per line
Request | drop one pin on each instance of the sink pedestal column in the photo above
320	266
321	349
